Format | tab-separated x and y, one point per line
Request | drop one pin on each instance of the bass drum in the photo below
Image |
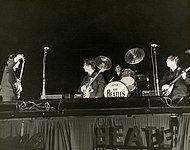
116	89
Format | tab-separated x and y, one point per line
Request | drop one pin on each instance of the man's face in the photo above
170	63
118	69
87	67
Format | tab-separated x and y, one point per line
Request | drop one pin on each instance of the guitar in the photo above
18	83
167	88
88	90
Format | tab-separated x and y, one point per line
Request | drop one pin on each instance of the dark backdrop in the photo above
78	29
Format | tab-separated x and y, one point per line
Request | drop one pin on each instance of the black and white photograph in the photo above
95	75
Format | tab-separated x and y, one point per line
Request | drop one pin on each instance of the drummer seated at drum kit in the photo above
127	77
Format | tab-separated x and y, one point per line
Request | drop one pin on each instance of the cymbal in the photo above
134	56
140	77
103	62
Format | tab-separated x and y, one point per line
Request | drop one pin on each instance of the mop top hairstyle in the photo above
90	62
173	58
11	58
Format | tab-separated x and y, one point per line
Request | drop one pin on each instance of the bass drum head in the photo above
116	89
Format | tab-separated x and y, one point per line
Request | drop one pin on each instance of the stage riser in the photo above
90	107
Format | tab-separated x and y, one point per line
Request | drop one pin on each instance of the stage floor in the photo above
93	107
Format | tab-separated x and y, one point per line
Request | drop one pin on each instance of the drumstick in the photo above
111	79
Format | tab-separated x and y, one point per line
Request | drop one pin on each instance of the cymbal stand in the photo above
138	88
43	96
155	69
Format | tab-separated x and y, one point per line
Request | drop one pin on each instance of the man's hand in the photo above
18	86
165	87
183	75
19	56
83	88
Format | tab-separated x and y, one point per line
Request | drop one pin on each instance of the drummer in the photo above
128	78
117	74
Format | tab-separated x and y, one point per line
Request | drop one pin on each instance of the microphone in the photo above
154	45
46	48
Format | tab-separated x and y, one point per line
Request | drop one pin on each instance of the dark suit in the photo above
98	85
8	88
180	87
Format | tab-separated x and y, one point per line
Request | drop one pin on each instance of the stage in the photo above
89	107
95	124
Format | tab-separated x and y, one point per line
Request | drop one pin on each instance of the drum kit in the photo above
128	78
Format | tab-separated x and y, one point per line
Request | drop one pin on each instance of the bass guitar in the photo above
18	83
88	90
167	88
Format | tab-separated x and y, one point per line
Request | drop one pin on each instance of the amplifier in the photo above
151	93
54	96
78	96
8	106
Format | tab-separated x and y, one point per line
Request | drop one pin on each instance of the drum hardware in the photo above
127	72
140	77
134	56
127	75
128	78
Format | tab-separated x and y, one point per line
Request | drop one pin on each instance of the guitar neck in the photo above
91	81
179	76
175	80
22	69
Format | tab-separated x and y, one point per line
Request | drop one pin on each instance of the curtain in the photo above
184	133
80	132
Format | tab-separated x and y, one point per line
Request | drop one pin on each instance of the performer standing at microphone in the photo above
96	89
10	84
178	89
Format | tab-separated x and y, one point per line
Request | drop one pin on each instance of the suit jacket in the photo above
98	85
8	88
180	87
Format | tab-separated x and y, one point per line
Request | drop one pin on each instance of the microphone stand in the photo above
43	96
155	69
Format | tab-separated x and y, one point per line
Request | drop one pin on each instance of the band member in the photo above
10	84
174	82
93	84
117	74
126	76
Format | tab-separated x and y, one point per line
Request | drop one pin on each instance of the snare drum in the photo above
116	89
